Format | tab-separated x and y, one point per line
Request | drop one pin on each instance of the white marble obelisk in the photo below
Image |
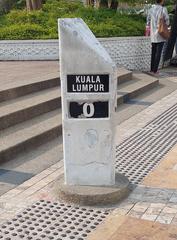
88	86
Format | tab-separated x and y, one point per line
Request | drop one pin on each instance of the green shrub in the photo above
62	6
123	28
20	24
22	17
26	31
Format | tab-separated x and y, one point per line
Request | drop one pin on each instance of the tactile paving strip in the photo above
52	220
136	157
140	153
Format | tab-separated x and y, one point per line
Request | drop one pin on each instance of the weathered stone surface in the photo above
93	195
89	153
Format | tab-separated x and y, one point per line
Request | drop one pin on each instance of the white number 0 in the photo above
88	109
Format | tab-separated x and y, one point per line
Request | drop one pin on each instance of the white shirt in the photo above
153	21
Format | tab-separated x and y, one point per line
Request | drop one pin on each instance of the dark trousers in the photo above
155	55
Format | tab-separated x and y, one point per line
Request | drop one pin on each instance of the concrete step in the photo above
17	88
34	119
29	134
123	75
23	108
140	83
30	163
136	105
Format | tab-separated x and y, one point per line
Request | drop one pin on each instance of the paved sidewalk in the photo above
128	228
32	210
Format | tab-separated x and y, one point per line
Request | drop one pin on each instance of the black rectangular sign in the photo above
89	110
88	83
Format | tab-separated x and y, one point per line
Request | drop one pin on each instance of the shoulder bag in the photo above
163	28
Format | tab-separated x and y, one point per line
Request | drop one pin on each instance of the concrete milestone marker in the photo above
88	86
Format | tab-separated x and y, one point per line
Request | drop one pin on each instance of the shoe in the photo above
150	73
156	73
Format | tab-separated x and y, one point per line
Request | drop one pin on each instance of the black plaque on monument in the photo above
89	110
88	83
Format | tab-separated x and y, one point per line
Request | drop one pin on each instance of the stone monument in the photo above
88	87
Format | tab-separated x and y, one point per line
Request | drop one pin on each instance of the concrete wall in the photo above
130	52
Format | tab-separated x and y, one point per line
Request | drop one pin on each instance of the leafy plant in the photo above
20	24
25	31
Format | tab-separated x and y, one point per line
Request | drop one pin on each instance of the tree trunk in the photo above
113	4
29	6
102	3
89	2
37	4
33	4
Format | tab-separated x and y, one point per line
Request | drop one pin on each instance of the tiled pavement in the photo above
129	228
154	204
145	202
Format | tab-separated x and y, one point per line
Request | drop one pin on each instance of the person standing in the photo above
174	26
172	41
155	13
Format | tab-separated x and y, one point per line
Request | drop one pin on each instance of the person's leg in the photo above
159	47
153	54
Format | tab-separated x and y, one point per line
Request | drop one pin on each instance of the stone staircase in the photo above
130	85
30	112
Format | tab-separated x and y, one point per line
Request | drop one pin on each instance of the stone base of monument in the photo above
93	195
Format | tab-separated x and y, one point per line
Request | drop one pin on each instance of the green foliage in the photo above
20	24
7	5
107	23
20	4
23	17
23	31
